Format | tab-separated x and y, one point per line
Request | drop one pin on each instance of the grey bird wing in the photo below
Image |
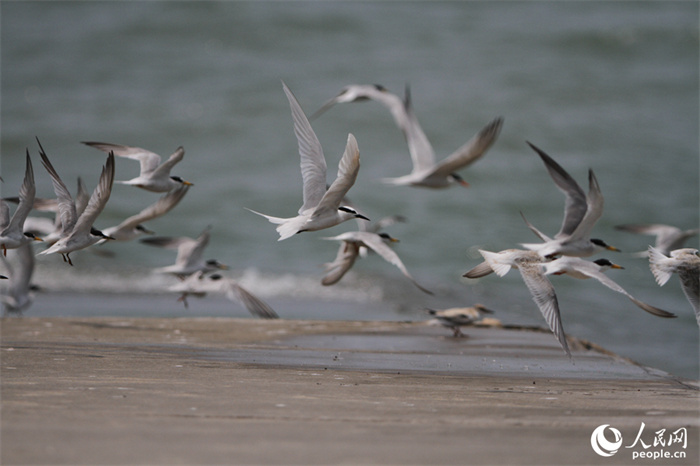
312	161
66	205
255	305
27	193
166	166
148	160
690	282
344	260
479	271
422	153
575	205
545	297
594	209
375	242
348	168
473	150
607	281
160	207
99	198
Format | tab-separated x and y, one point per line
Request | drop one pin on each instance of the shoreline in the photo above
247	391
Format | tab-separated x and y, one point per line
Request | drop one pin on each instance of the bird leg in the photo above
66	258
457	332
183	298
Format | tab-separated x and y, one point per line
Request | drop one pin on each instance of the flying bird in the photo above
77	231
200	283
686	263
154	176
190	254
12	234
321	208
668	238
426	171
352	241
581	212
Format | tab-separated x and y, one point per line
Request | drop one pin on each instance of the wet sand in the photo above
246	391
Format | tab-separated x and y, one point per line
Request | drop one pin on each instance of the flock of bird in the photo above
325	206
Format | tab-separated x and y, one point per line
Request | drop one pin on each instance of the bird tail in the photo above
492	260
661	273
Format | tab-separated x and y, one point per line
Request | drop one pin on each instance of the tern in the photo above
19	295
686	263
529	263
581	212
199	284
426	171
77	231
668	238
132	227
457	317
154	176
321	208
352	241
12	233
534	270
190	253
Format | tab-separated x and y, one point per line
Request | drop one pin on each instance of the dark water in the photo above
611	86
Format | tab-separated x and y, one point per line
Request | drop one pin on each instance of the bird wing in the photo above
313	163
575	205
533	229
98	199
4	214
479	271
422	153
165	167
545	297
66	206
255	305
160	207
148	160
594	209
690	282
344	260
607	281
27	193
470	152
348	168
377	244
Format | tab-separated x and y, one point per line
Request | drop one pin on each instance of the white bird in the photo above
132	227
582	269
321	208
457	317
686	263
668	238
352	241
19	295
581	212
199	284
77	231
12	233
529	263
426	171
190	254
154	176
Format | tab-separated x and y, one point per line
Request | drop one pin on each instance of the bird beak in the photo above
187	183
463	183
362	217
223	266
612	248
393	240
36	238
615	266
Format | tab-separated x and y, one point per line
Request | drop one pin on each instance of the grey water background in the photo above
611	86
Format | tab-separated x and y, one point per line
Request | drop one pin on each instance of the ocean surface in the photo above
611	86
